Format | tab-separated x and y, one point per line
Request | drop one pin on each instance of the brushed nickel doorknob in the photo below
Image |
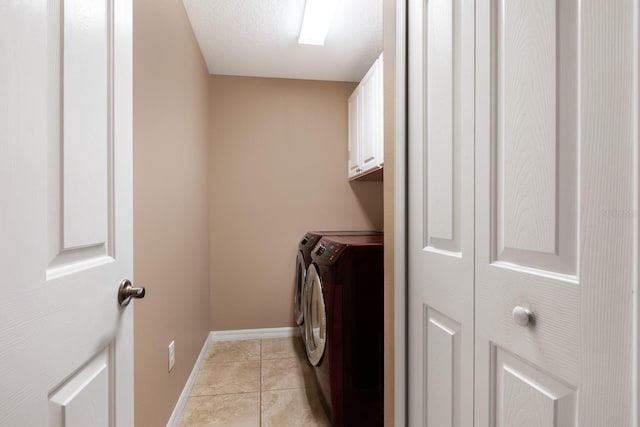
522	316
126	291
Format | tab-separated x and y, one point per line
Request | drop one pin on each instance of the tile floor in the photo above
255	383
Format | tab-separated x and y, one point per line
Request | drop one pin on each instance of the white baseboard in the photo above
240	334
184	396
249	334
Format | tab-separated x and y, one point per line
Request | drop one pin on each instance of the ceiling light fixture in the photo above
316	22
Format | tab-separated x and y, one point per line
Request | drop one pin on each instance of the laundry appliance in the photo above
344	327
303	260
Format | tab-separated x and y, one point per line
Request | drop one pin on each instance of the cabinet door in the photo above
355	131
380	111
440	237
556	184
370	119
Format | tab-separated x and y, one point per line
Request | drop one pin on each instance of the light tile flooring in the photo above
255	383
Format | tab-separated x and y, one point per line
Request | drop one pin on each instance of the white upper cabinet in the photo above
366	124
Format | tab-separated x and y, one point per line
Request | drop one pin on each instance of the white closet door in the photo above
440	252
556	179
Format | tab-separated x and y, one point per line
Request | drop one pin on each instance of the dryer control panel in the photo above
326	251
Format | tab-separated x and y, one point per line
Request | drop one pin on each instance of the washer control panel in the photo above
309	241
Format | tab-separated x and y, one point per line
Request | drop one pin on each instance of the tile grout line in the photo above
284	356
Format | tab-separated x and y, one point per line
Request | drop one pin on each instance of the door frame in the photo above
635	385
401	212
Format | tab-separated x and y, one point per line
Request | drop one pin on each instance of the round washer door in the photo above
298	297
315	316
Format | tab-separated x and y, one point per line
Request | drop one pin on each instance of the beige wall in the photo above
278	168
171	241
389	210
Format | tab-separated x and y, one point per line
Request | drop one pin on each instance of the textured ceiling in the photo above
260	38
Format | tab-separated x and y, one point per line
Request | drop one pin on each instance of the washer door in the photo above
301	277
315	316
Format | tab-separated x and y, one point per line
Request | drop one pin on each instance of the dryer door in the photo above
298	301
315	316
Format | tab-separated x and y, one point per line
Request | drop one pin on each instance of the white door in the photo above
556	212
65	213
441	207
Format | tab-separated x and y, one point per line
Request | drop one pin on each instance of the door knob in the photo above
522	316
126	291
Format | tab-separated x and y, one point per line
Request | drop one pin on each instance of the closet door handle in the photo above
523	316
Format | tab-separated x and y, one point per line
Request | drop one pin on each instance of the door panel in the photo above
534	138
80	174
66	217
543	177
527	397
86	99
525	94
439	124
526	201
89	387
370	120
355	131
440	238
442	369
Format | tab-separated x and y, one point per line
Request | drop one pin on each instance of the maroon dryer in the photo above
344	326
303	260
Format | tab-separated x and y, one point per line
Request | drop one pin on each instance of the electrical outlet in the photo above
172	355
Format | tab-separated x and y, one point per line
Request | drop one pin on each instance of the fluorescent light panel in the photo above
316	22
